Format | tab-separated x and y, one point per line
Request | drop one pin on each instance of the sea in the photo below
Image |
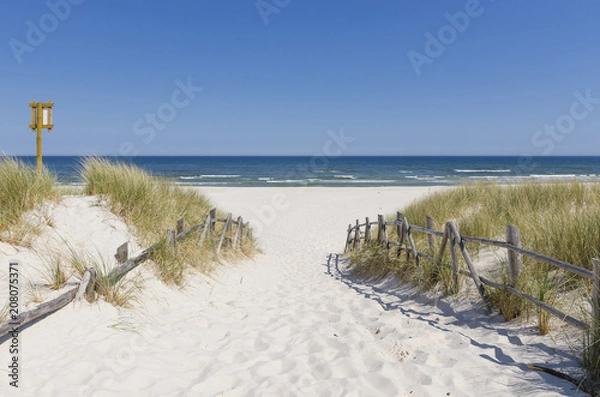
268	171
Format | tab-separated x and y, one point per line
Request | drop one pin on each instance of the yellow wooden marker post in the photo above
41	117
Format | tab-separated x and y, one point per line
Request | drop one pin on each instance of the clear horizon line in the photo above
299	155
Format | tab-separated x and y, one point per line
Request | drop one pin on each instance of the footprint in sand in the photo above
456	341
269	368
420	357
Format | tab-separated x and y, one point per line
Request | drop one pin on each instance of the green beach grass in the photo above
21	190
150	206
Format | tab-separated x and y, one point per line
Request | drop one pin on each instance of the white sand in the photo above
284	324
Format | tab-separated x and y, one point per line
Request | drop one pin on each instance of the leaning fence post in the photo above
348	238
430	237
367	231
515	261
467	258
356	244
205	229
122	253
596	303
410	241
225	229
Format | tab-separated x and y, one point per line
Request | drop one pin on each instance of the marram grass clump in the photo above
150	206
21	190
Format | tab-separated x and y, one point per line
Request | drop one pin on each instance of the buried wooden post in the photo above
238	232
367	231
87	287
467	258
213	217
225	229
596	303
122	253
356	244
515	259
430	237
180	225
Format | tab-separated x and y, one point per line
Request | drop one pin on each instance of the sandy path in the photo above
287	325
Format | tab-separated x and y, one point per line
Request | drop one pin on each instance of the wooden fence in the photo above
86	288
360	234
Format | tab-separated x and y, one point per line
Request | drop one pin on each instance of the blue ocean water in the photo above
343	171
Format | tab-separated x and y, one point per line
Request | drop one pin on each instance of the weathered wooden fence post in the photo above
180	225
238	232
356	244
213	217
348	238
467	258
207	226
171	240
225	229
242	233
438	260
596	305
430	237
455	282
515	259
367	231
410	241
122	253
380	229
87	286
400	232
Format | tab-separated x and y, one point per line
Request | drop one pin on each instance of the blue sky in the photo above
276	80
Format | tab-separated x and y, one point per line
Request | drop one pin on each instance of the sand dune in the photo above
288	323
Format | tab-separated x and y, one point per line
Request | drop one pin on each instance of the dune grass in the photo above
556	219
560	220
21	190
150	206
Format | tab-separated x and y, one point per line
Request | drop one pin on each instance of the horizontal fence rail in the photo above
86	288
451	237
